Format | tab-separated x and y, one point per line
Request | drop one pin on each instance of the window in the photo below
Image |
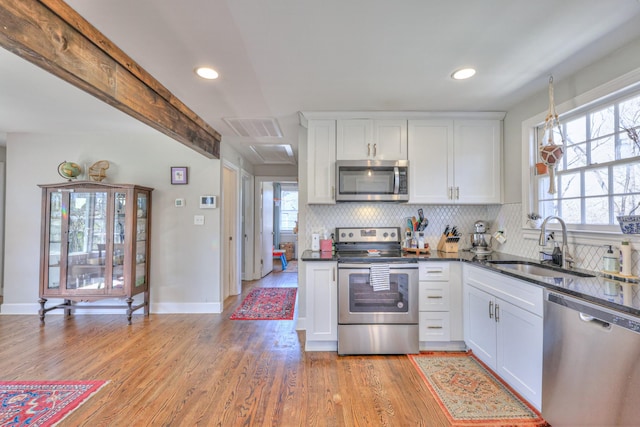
288	209
598	177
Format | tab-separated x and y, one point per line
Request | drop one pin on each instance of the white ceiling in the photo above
278	57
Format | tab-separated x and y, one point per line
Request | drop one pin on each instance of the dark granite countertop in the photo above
605	290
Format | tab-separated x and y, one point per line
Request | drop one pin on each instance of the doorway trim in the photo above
258	180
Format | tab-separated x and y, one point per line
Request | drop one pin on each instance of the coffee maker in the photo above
479	244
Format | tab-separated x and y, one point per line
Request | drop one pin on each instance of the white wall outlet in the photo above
198	220
179	203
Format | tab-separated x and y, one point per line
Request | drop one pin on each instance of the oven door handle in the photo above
366	266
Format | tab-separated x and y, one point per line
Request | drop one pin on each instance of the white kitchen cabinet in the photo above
477	158
440	306
322	306
455	161
367	139
503	326
321	160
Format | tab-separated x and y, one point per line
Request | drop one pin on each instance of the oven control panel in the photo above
368	235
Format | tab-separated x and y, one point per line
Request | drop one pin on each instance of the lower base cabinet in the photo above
440	305
322	306
503	327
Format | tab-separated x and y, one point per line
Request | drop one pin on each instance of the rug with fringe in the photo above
42	403
470	394
267	304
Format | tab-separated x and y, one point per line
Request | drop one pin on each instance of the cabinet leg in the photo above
41	312
129	310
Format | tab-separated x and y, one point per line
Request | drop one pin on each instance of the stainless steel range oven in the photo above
377	293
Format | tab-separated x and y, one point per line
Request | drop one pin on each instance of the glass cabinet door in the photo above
55	239
141	240
119	237
87	238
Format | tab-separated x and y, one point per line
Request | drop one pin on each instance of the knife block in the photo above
448	244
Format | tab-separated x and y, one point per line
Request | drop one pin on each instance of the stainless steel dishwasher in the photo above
591	365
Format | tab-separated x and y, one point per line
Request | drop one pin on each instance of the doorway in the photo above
268	223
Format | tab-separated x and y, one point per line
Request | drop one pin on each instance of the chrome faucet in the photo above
567	260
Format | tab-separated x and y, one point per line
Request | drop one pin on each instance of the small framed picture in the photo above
179	175
208	202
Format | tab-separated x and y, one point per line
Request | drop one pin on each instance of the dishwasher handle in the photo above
590	319
603	317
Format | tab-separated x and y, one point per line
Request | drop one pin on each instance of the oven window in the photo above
363	299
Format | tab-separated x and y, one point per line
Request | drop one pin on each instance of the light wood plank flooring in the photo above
207	370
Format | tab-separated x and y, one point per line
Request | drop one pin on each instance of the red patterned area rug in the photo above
469	393
267	304
42	403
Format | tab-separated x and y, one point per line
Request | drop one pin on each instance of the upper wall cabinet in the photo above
321	161
360	139
455	161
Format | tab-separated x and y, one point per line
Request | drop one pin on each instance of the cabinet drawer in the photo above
434	296
433	271
435	326
522	294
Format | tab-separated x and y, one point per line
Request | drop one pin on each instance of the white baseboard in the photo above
301	324
186	308
321	346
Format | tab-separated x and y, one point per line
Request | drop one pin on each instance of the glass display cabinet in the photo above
95	245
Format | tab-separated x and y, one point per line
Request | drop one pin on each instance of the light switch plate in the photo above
198	220
179	203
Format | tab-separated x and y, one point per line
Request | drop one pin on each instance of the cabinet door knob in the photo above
490	309
375	150
497	313
368	150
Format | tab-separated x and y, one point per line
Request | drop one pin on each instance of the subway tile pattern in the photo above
506	218
325	218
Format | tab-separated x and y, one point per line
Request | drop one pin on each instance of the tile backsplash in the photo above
507	217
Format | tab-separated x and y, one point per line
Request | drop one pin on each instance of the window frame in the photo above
288	188
581	233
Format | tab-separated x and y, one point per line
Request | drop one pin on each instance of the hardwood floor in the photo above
207	370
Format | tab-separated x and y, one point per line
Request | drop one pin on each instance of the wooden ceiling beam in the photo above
56	38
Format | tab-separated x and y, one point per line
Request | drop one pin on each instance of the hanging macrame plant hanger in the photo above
551	153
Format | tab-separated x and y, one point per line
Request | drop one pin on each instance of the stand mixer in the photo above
479	244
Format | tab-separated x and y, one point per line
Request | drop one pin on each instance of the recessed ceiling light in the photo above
463	73
207	73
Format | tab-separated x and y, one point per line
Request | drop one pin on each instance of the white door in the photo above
267	228
230	245
478	161
247	227
480	325
430	161
519	350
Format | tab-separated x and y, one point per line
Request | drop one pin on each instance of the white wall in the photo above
185	259
608	68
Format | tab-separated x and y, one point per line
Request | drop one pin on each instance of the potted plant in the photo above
534	220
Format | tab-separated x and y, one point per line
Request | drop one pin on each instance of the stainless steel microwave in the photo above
372	180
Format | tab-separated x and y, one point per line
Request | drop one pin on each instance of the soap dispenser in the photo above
610	261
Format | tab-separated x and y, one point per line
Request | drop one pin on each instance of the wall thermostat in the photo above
179	203
208	202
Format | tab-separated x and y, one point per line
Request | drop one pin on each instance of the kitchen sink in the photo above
538	269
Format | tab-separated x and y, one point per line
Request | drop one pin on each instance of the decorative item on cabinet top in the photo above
69	170
97	171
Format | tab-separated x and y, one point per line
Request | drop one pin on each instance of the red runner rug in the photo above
469	393
267	304
42	403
